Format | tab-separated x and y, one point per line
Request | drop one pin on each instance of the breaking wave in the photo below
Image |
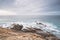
45	26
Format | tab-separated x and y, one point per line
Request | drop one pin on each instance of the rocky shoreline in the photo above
17	33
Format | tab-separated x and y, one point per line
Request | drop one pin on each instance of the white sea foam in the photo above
45	26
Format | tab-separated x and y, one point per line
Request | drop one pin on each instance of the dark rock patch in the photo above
17	27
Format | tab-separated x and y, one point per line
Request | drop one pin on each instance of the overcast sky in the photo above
30	7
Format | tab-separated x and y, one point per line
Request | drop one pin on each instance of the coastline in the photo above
27	34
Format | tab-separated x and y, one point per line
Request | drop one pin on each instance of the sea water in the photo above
52	21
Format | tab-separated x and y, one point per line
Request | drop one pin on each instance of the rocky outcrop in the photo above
8	34
25	34
29	30
17	27
44	35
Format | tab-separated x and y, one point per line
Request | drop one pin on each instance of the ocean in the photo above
52	21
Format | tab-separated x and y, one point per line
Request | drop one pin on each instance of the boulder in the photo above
17	27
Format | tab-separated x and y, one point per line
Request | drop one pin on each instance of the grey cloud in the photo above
5	3
31	6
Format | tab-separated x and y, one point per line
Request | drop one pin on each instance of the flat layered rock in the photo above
8	34
25	37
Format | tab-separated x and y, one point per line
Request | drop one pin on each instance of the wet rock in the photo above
17	27
29	30
45	34
52	38
40	23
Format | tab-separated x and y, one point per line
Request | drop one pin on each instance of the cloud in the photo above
5	3
31	7
4	12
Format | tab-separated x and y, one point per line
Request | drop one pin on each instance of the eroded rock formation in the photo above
25	34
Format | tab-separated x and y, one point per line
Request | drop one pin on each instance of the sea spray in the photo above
46	27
